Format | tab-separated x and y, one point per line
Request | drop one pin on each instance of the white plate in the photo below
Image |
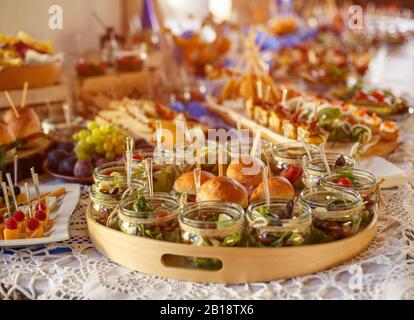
382	168
60	229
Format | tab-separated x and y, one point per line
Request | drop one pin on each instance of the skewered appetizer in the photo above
185	184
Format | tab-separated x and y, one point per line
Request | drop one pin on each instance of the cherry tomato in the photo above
378	95
345	182
137	156
161	214
292	173
361	95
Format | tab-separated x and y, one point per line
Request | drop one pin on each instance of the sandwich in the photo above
186	184
7	144
26	127
279	188
224	189
247	170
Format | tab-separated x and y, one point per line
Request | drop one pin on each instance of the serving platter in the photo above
61	217
232	115
239	265
73	179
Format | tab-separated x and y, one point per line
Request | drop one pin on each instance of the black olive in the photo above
288	213
341	161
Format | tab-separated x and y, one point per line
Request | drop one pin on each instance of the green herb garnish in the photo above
141	204
348	175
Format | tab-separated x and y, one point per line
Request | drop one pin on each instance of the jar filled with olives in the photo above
287	159
336	213
150	216
278	225
362	181
316	168
211	223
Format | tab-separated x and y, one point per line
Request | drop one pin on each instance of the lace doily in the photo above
75	270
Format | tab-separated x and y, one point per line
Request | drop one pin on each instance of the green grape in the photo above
92	125
119	149
83	145
83	134
108	146
96	132
110	156
105	128
99	149
75	136
90	140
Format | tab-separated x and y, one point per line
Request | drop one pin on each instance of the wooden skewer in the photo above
35	179
6	197
29	203
24	95
197	181
265	175
148	167
16	160
220	161
305	172
256	142
9	99
323	156
198	154
11	186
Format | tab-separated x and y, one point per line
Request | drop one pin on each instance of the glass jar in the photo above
316	167
153	217
283	224
287	162
211	223
336	213
129	60
362	181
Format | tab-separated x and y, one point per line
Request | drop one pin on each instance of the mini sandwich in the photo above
7	143
26	127
247	170
279	188
186	184
224	189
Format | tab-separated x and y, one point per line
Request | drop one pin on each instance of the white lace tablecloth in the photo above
75	270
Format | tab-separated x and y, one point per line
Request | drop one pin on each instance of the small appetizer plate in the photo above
382	168
66	204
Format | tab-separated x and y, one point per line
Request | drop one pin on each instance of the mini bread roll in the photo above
186	183
247	170
279	188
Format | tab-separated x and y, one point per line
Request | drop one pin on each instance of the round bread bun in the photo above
279	188
26	124
6	136
224	189
186	183
247	170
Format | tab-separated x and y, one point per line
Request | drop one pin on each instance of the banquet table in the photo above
74	269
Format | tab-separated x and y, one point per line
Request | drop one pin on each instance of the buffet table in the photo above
75	270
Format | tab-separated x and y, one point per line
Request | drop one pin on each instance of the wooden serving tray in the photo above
240	265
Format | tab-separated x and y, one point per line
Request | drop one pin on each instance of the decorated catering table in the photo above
74	269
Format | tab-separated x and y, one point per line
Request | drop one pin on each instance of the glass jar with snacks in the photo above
211	223
154	217
129	60
336	213
362	181
281	224
90	67
316	167
287	159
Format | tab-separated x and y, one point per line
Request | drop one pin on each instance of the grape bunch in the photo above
104	141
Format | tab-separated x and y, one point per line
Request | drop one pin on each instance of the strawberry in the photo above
40	215
345	182
19	216
378	95
33	224
11	223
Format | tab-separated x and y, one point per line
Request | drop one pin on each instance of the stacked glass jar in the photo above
150	216
336	213
364	182
315	167
279	224
211	223
110	184
287	162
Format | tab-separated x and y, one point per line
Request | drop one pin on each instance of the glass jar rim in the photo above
216	205
353	203
317	164
286	150
303	218
98	175
368	177
157	196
